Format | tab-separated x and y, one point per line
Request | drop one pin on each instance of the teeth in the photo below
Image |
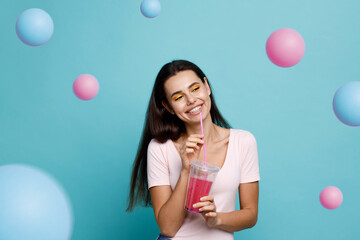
195	109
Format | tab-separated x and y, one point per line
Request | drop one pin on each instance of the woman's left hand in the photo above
207	209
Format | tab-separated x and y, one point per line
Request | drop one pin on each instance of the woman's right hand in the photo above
168	203
190	150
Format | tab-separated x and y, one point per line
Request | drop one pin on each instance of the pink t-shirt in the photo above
240	166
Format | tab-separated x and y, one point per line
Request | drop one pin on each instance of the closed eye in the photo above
195	88
177	97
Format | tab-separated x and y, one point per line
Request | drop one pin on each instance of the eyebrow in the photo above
194	83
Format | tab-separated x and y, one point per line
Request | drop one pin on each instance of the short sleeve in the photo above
250	164
157	165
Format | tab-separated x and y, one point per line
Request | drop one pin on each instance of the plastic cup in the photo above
202	175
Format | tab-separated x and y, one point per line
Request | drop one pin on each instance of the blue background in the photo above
89	146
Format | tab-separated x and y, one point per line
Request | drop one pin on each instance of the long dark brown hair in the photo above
162	126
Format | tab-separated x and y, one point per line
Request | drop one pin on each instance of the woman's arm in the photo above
246	217
234	221
168	205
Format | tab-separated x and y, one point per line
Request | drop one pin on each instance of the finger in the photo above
211	214
208	208
207	198
196	141
194	138
192	145
201	204
189	150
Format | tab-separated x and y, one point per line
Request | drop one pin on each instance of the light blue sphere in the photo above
33	206
34	27
346	103
150	8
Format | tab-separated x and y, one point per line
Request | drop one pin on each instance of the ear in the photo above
207	86
168	108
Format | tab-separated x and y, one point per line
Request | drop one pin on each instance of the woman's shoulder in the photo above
155	142
156	145
242	134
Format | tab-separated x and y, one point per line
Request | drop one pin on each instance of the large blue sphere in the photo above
150	8
33	206
34	27
346	103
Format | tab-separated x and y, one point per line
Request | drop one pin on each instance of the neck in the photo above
209	127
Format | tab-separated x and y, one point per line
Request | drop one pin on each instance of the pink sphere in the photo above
285	47
331	197
86	87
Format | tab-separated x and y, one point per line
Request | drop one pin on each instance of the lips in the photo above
195	109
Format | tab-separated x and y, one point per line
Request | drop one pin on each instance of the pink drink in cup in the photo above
198	188
201	178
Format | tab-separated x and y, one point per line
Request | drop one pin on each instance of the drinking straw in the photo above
202	132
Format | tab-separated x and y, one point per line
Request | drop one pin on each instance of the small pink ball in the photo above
285	47
331	197
86	87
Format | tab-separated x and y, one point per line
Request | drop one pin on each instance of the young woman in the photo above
171	139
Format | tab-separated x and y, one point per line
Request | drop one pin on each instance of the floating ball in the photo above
86	87
346	103
150	8
331	197
33	205
34	27
285	47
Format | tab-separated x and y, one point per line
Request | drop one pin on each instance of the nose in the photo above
190	100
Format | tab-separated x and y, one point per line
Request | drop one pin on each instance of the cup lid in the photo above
200	164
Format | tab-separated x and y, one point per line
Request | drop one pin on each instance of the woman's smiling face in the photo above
187	96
